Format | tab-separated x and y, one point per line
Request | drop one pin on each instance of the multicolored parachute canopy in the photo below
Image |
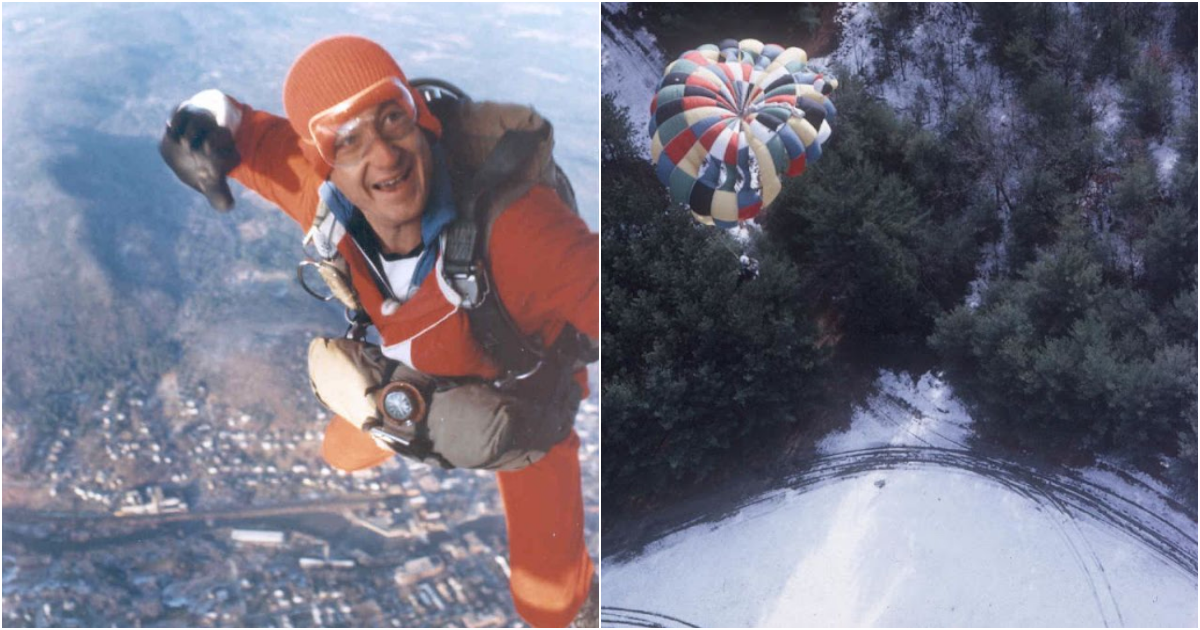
730	121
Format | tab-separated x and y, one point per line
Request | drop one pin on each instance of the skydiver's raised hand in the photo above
198	145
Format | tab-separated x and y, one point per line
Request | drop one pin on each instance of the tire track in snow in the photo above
631	618
908	408
1089	564
1103	604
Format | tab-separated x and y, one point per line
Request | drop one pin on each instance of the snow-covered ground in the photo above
898	522
630	69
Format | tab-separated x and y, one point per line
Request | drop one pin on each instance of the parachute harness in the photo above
528	368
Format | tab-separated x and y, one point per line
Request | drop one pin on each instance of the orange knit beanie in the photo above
335	69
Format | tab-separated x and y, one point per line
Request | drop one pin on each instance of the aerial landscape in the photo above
900	316
162	457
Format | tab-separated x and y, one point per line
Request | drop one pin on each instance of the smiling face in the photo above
392	180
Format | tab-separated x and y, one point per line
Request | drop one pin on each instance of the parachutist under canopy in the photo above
749	269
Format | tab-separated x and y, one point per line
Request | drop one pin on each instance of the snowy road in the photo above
899	523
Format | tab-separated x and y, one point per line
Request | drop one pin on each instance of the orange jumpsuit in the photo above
545	264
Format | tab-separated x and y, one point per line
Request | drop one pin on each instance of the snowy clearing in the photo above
897	522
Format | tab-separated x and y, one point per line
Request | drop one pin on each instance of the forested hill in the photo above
1009	196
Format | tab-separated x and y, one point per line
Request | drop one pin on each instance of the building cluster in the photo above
261	578
169	540
150	500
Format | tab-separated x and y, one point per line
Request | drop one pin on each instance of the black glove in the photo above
201	153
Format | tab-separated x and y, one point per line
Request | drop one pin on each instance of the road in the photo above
51	531
28	515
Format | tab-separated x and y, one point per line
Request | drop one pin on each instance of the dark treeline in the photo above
1080	342
681	27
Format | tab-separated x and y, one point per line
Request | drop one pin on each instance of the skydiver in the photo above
377	180
749	269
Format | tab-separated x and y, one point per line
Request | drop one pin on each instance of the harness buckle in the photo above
470	285
357	330
395	442
418	446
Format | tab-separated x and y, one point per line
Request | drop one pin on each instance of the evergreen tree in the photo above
1094	367
1116	30
1147	98
1169	251
615	133
1060	159
885	230
1183	30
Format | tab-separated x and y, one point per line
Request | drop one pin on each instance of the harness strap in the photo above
465	258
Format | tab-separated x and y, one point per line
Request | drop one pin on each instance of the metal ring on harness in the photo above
303	284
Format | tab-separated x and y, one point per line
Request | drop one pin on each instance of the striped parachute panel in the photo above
730	122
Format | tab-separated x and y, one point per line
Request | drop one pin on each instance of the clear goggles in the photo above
344	134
